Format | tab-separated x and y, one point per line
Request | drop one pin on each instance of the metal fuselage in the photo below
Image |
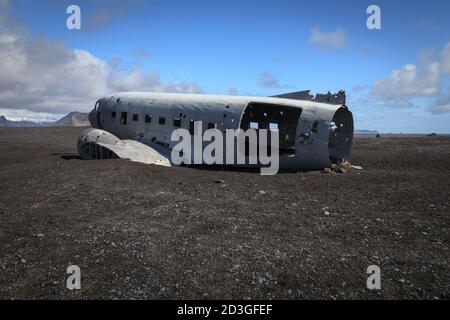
312	135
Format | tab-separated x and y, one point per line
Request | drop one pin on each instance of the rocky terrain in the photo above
147	232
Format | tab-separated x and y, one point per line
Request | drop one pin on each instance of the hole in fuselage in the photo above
341	135
272	117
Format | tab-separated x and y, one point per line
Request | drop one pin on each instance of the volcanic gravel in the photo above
148	232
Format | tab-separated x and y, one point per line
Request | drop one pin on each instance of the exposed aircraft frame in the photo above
138	125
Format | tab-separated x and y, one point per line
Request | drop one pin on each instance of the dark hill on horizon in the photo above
73	119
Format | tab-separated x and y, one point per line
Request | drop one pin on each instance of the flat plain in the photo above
147	232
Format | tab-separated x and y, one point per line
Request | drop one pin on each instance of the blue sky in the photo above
244	47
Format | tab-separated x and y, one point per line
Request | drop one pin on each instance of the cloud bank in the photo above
416	81
268	80
42	75
328	40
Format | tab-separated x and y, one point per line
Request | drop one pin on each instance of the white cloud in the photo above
445	59
103	17
328	40
409	81
42	75
413	81
232	91
141	53
268	80
4	9
359	88
441	104
440	109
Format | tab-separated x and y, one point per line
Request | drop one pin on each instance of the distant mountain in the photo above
10	124
366	132
73	119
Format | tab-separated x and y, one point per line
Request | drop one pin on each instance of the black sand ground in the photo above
141	231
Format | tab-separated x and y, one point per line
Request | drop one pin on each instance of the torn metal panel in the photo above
312	137
331	98
99	144
299	95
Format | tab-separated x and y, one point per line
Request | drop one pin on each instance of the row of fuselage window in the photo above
161	120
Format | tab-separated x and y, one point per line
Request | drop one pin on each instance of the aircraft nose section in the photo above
93	119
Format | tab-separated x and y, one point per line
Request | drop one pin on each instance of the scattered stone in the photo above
236	267
345	165
340	170
356	167
327	170
151	231
378	135
262	192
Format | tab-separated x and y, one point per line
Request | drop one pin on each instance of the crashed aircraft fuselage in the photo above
138	126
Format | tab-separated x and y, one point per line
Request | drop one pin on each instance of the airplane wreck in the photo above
314	132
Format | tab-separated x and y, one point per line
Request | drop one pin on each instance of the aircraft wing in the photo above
100	144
